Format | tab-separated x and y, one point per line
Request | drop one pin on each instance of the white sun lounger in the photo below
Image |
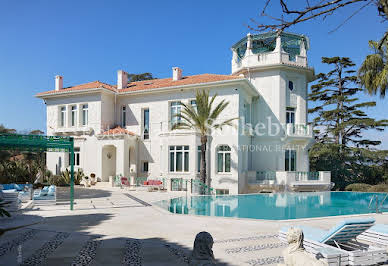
339	245
376	234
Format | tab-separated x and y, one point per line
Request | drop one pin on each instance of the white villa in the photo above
125	128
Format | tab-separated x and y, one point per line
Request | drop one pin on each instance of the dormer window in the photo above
290	85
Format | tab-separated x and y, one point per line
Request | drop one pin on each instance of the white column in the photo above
278	48
249	45
302	49
120	157
99	162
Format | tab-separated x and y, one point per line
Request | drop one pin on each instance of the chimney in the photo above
176	73
122	79
58	83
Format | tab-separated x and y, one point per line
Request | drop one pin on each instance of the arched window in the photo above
223	159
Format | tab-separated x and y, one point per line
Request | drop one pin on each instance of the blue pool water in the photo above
276	206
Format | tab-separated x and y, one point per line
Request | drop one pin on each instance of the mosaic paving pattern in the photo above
179	253
49	247
87	253
266	261
132	256
255	248
20	239
259	237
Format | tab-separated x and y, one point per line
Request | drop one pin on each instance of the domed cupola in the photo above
269	49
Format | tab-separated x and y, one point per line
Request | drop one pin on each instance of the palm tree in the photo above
203	119
373	73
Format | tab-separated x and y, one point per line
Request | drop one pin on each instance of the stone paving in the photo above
122	227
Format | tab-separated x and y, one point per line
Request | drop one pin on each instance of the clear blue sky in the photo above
90	40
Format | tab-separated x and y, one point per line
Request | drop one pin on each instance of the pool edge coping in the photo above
269	220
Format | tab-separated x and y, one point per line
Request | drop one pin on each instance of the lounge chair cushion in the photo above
338	233
311	233
380	228
8	186
346	234
9	191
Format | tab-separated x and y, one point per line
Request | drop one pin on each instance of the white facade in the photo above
257	91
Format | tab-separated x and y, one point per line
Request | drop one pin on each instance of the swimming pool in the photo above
276	206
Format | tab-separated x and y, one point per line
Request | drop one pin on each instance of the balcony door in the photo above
290	160
290	115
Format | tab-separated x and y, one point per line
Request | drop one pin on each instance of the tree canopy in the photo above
140	77
373	72
340	124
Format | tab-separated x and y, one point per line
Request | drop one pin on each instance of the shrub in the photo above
78	176
379	188
58	180
358	187
65	177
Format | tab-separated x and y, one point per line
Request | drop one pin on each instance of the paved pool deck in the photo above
113	226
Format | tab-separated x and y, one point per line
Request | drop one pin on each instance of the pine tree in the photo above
339	124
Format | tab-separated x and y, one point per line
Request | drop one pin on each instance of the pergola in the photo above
38	143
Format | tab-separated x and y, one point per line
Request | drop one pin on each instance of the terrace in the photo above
288	181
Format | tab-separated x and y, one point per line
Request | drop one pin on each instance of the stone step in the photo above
68	250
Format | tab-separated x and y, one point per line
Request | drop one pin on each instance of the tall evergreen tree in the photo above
339	124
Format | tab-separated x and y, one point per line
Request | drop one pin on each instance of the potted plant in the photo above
86	181
93	178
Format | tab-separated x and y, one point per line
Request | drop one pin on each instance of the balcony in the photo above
301	134
288	181
73	130
299	130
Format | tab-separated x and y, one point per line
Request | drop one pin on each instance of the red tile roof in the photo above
147	84
118	131
89	85
168	82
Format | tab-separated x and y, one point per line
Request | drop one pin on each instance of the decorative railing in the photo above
286	177
197	186
263	177
306	176
299	130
